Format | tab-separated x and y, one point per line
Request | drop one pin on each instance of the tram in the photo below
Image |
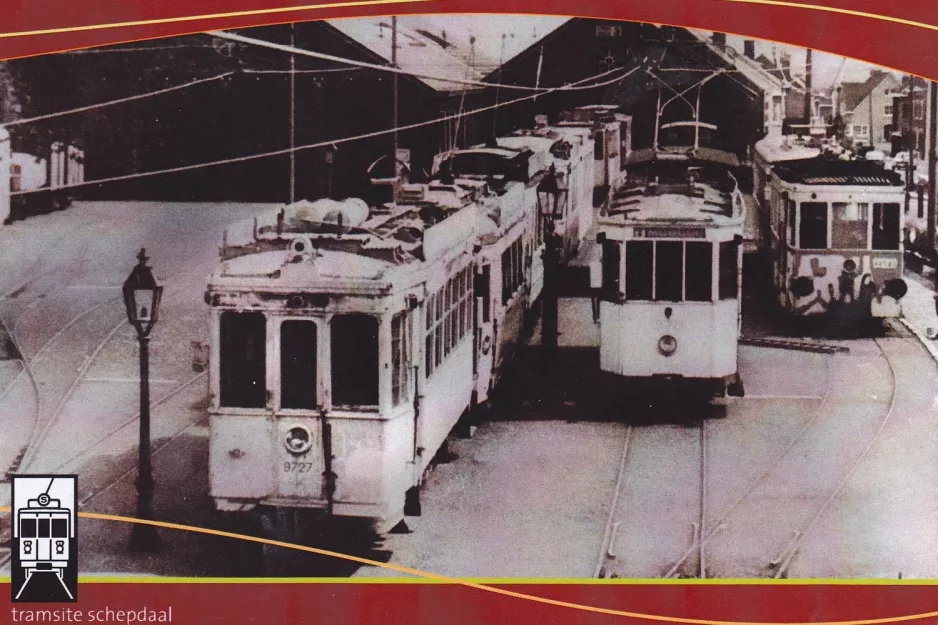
835	237
669	278
43	529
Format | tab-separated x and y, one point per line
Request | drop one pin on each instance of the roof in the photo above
758	75
422	48
853	93
785	148
828	171
464	47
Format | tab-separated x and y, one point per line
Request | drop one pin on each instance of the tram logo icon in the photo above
45	557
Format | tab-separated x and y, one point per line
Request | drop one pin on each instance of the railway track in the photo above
778	564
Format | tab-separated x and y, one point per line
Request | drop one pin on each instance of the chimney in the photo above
719	40
749	48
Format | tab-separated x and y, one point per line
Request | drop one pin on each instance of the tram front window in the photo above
812	235
848	231
639	260
354	360
886	225
243	360
27	528
669	271
699	271
298	364
59	528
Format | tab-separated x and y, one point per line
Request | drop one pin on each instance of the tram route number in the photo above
297	467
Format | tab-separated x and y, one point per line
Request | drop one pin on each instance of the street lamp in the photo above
551	203
142	298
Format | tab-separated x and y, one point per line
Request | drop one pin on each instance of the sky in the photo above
521	31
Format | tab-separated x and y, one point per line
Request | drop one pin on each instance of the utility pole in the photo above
394	63
932	157
292	115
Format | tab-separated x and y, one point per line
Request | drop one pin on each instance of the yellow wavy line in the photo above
483	587
821	7
192	18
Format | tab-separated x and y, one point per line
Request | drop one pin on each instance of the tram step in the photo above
805	346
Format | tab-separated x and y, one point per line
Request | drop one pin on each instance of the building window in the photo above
354	360
918	109
243	356
887	110
608	30
860	130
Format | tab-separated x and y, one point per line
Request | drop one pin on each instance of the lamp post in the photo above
551	202
142	298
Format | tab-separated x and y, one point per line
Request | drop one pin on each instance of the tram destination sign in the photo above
670	233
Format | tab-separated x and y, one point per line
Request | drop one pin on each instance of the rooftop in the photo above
828	171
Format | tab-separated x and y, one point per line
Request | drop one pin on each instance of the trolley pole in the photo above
292	115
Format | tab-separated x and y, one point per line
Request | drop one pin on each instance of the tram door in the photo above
484	355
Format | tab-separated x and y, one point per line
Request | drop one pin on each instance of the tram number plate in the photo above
297	467
885	263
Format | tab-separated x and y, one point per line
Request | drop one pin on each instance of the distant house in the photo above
910	104
867	109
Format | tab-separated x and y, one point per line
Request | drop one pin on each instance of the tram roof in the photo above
828	171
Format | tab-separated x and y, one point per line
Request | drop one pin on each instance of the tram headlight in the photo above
802	286
299	440
895	288
667	345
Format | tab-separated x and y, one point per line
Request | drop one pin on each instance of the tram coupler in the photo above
735	388
412	502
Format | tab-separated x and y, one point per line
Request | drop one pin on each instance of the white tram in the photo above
670	276
612	141
347	342
835	237
44	529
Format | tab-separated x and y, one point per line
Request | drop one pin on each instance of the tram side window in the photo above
848	232
354	360
243	360
886	226
448	319
512	271
699	271
669	271
639	260
790	208
599	147
400	358
27	528
298	364
813	230
610	268
729	270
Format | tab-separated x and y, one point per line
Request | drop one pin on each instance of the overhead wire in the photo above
333	142
375	66
91	107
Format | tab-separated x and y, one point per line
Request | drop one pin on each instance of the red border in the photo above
906	47
901	46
